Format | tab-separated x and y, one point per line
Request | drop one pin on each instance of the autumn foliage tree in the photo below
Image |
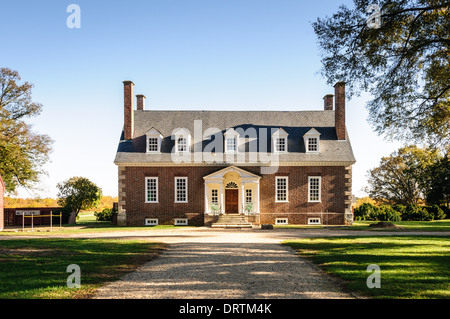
22	151
78	193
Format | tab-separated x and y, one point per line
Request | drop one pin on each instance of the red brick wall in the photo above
2	192
297	210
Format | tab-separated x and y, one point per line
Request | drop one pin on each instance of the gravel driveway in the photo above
225	265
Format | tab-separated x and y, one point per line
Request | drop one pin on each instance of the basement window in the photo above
314	221
181	221
281	221
151	221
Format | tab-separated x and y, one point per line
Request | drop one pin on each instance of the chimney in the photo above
128	105
140	102
339	113
328	102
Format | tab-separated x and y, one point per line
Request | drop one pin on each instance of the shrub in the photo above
436	212
388	213
105	215
446	211
399	208
364	212
416	213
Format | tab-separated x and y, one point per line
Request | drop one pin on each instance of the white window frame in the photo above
147	190
311	144
248	195
176	189
281	221
181	222
279	134
216	196
312	221
231	134
151	222
320	189
153	134
185	145
181	133
276	189
312	133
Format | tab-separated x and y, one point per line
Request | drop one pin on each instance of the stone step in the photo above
232	221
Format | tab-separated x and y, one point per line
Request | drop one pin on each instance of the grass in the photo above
412	267
37	268
86	223
435	225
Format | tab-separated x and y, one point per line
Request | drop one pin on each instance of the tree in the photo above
404	64
438	191
402	178
78	193
22	152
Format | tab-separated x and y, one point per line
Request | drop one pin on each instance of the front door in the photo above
232	201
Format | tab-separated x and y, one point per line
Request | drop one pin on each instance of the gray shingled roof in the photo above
295	123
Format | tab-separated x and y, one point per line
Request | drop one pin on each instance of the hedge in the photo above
411	212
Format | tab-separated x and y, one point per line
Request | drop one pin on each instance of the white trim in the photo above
151	222
181	222
314	221
276	189
186	189
182	133
309	189
281	221
153	133
312	133
287	164
146	190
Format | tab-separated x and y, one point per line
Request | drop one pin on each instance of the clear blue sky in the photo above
181	54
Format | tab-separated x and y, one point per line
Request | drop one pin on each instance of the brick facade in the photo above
331	209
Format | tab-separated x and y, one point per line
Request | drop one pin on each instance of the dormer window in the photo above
313	145
182	144
312	141
182	139
154	139
280	141
231	141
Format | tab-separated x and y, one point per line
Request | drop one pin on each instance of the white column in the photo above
257	198
222	208
242	198
206	199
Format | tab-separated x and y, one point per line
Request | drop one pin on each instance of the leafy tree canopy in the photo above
78	193
404	64
22	152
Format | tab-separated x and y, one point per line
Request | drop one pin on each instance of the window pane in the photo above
281	189
312	144
248	195
182	144
215	196
280	145
181	188
314	189
152	144
231	144
152	190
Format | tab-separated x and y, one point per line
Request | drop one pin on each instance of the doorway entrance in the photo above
231	201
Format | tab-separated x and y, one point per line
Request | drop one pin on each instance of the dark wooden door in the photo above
231	201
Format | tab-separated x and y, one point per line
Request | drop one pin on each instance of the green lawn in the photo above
435	225
37	268
411	266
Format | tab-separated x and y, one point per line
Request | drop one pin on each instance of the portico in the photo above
232	190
